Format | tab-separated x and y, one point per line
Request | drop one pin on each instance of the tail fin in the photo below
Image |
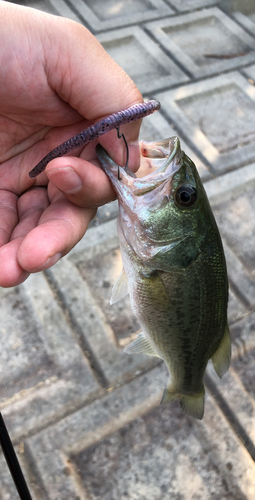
192	405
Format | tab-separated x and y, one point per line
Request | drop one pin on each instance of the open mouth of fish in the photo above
164	156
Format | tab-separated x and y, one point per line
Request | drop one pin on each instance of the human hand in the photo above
56	80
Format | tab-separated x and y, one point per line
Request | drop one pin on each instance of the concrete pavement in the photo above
83	415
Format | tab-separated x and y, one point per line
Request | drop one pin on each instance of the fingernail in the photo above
66	179
51	261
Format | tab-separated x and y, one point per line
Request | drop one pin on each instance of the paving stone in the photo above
44	5
123	447
142	59
248	22
236	220
102	238
216	115
56	7
251	15
128	469
236	310
110	14
226	193
47	371
242	282
231	196
242	336
227	186
62	8
250	74
187	5
86	427
105	213
83	415
237	388
247	7
8	490
205	42
101	273
106	329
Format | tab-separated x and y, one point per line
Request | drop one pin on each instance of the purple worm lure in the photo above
94	131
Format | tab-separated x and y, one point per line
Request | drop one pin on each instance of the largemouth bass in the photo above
173	268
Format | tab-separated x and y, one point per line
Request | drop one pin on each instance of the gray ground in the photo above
84	417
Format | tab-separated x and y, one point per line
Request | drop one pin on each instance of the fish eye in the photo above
185	196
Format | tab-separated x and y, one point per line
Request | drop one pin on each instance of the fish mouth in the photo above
159	150
166	153
174	146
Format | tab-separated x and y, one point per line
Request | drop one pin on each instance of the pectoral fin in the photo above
221	357
141	345
183	252
120	288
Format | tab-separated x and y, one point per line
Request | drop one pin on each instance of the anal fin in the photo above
141	345
169	396
221	357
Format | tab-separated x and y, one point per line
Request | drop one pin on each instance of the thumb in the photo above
83	182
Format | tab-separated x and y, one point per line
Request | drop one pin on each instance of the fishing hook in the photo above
126	144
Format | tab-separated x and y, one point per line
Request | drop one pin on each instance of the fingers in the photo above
83	182
11	273
96	88
31	206
27	210
8	215
61	226
37	247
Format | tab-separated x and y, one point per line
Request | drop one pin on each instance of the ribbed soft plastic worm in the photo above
94	131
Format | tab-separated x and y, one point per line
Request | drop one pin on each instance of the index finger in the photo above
96	88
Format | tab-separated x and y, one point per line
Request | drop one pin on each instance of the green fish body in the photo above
174	270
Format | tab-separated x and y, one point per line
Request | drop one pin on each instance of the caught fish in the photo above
173	268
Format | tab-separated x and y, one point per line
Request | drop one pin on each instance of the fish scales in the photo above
175	269
184	315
